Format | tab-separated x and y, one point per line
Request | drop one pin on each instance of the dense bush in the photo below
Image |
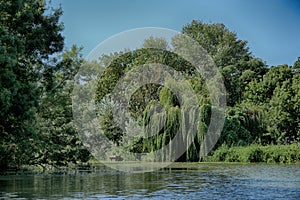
257	153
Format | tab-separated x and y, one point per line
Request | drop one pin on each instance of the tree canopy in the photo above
37	80
262	104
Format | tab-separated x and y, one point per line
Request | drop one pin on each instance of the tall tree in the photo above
58	140
28	37
230	54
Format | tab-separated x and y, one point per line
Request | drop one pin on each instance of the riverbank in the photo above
270	154
257	154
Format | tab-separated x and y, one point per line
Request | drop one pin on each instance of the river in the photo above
178	181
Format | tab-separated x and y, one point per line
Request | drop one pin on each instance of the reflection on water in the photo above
179	181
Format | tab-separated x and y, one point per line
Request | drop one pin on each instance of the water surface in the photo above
179	181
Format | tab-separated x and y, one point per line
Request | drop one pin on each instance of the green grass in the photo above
258	153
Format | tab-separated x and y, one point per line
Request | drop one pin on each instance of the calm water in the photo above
180	181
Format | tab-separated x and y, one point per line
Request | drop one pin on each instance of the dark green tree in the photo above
261	91
230	54
57	137
283	112
28	37
277	94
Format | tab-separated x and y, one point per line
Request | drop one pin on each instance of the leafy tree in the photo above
261	92
231	56
58	139
277	94
219	42
148	99
28	37
244	125
157	43
235	133
297	65
283	115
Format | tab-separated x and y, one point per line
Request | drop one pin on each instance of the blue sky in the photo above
271	27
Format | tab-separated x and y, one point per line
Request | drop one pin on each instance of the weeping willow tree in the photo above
161	124
175	128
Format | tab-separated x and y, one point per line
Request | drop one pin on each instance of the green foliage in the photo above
141	98
277	94
24	58
157	43
257	153
150	99
57	137
36	126
264	103
235	130
167	98
283	118
261	92
269	114
230	55
297	65
36	83
218	41
108	125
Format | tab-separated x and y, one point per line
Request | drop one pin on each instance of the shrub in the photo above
258	153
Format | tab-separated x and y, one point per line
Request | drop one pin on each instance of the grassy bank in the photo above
257	153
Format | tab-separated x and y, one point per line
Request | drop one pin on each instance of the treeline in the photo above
263	102
37	77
